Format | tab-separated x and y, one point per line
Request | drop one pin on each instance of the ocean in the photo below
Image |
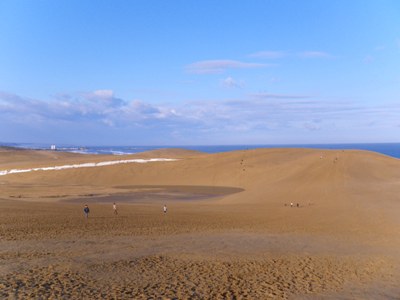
390	149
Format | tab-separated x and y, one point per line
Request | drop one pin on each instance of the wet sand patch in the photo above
159	193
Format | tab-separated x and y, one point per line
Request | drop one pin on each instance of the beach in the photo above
250	224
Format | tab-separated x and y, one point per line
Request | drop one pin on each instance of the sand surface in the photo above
230	231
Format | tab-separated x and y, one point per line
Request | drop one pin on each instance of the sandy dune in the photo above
230	231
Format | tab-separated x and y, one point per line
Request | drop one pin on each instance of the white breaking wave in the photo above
85	165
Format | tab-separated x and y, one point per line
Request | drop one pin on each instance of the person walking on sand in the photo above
165	209
86	211
115	209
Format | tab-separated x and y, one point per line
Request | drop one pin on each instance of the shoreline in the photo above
391	149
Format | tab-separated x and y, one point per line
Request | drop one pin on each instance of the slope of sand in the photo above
230	231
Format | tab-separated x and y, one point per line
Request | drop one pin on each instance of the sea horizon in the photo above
390	149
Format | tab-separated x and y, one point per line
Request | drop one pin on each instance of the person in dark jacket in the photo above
86	211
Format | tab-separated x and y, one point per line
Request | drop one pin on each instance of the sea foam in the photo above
85	165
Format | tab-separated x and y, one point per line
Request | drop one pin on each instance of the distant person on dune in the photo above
165	209
115	209
86	211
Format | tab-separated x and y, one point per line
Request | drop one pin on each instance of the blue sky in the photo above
199	72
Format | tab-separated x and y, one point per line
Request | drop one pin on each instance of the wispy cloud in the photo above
282	54
315	54
219	66
278	96
269	54
380	48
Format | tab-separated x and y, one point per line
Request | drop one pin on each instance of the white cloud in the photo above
219	66
262	112
229	82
